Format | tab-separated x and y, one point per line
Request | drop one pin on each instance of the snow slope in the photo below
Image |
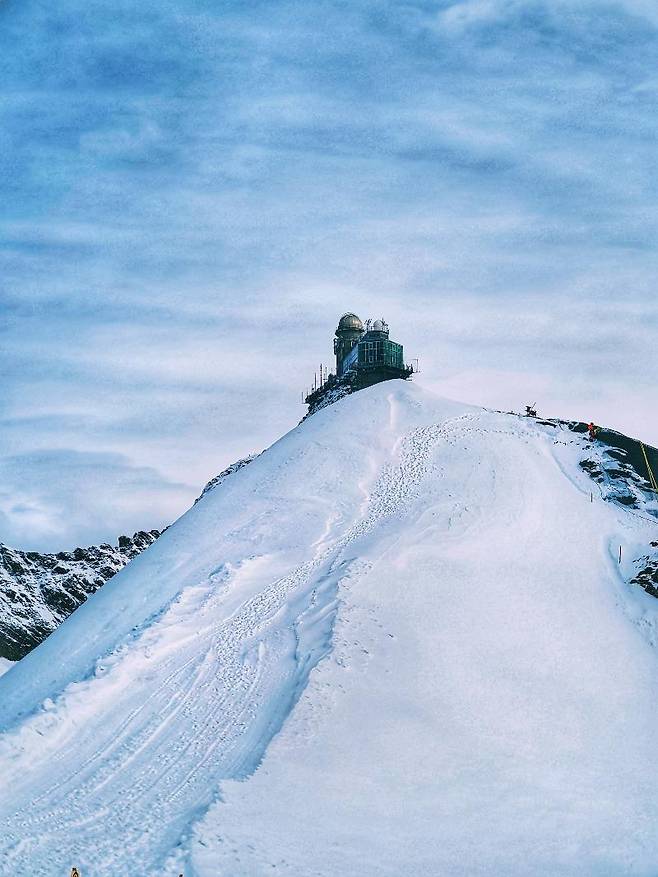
398	642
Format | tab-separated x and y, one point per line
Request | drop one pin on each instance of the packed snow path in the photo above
487	702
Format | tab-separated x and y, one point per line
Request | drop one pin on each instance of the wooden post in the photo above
620	554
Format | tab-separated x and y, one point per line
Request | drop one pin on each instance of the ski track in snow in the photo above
218	695
116	772
240	838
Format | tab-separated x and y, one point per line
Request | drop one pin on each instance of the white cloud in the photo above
191	200
55	500
466	13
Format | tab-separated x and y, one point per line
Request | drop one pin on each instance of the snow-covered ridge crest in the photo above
230	470
399	641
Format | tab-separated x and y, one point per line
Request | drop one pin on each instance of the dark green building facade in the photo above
365	355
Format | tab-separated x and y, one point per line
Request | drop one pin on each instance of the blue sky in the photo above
192	193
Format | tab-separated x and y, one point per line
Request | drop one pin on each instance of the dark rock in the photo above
618	464
230	470
38	591
647	578
627	499
334	389
592	468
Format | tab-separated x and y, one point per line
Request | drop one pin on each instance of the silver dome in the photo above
349	323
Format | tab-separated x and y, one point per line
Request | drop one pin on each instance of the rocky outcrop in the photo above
618	464
230	470
38	591
331	391
647	577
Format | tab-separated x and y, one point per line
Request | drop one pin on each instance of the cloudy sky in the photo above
192	192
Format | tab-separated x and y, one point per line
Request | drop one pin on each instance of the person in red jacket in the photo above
592	430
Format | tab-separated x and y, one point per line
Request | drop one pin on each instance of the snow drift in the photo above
398	642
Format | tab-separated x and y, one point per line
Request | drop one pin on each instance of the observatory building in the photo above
365	355
367	351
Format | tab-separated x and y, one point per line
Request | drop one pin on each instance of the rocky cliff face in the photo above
38	591
620	466
622	469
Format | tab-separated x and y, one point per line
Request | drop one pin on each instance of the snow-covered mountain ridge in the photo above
230	470
398	642
39	590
